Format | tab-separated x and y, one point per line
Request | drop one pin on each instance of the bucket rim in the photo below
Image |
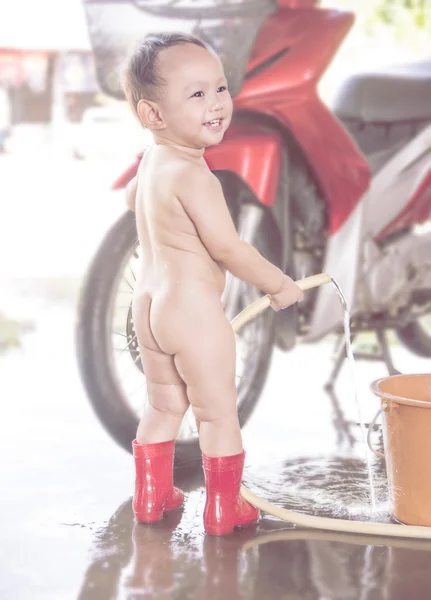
399	399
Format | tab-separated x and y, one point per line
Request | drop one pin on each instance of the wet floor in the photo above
67	529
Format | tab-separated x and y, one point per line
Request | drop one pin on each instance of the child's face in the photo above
196	106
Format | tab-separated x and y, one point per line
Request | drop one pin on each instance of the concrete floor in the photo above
66	522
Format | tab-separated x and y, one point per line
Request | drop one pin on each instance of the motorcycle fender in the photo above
254	154
126	176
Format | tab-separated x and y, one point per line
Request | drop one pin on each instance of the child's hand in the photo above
289	294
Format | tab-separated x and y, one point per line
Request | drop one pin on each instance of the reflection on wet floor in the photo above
174	559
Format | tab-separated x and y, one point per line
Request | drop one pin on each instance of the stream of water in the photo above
352	365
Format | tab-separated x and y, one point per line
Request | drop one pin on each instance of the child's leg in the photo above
206	362
154	446
167	393
167	396
205	359
203	342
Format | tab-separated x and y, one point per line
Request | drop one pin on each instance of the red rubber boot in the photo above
224	507
154	490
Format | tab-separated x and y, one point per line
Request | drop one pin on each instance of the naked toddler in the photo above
177	88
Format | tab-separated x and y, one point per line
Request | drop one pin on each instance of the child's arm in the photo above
202	198
131	193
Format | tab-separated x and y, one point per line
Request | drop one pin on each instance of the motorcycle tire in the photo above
93	353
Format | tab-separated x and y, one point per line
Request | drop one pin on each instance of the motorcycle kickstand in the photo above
339	361
341	425
384	356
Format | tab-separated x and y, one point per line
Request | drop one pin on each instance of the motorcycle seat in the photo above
401	93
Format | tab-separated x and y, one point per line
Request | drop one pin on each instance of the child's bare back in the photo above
173	255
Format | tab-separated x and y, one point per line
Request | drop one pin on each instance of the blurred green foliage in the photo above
394	11
10	332
407	19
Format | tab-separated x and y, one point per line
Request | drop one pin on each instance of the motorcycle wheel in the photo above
106	343
416	336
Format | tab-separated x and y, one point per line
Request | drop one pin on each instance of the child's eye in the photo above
198	95
222	88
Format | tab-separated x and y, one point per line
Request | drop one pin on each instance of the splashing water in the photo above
352	364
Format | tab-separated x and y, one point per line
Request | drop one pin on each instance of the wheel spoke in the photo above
128	283
132	340
118	333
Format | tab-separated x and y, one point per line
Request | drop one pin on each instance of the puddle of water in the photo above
335	487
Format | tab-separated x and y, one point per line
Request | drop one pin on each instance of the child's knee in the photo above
216	414
168	398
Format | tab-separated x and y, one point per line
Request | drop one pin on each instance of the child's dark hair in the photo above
140	77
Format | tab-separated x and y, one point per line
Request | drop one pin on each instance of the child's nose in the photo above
216	105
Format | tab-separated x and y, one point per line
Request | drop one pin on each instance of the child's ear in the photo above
149	114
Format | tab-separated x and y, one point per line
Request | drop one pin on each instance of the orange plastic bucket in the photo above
406	410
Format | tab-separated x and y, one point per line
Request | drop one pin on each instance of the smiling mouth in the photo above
214	123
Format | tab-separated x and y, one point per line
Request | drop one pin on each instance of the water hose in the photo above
310	521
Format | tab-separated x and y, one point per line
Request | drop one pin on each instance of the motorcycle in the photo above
344	191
